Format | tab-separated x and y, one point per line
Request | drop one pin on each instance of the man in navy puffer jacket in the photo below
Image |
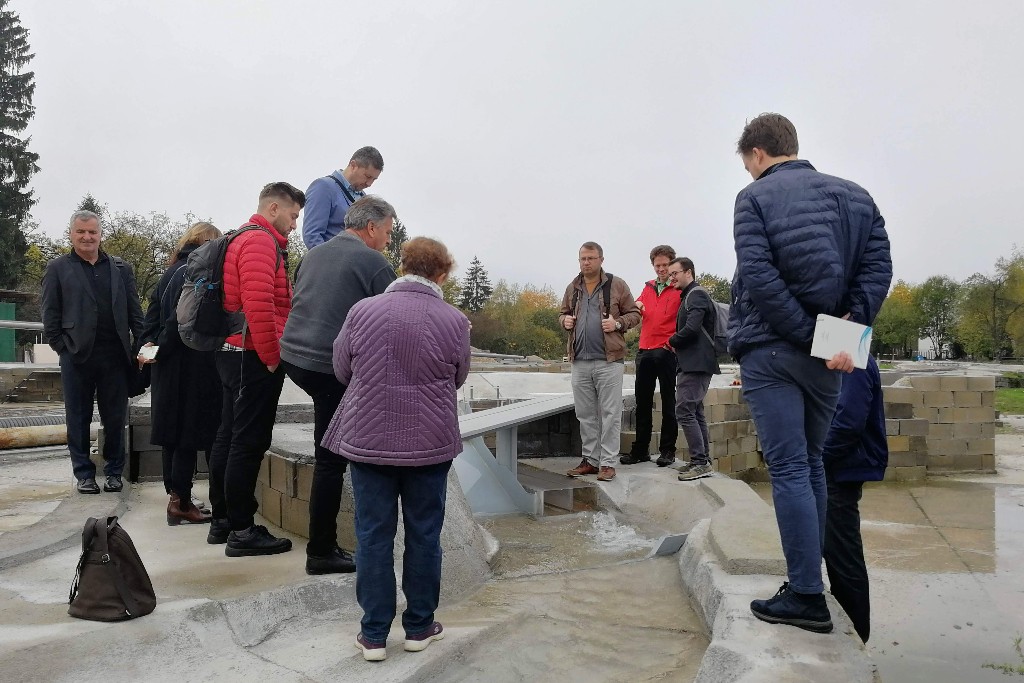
806	243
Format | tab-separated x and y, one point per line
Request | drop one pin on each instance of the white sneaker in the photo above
372	652
420	642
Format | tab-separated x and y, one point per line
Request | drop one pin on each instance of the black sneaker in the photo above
809	612
695	471
87	485
666	459
632	458
338	562
255	540
219	531
113	484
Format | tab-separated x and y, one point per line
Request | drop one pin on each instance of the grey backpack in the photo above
721	327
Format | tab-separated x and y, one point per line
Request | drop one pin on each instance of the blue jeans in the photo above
792	398
423	491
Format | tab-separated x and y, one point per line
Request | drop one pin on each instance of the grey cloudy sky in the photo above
517	130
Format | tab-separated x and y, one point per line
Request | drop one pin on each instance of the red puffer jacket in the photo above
251	283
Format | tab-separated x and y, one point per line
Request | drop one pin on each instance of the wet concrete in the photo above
945	558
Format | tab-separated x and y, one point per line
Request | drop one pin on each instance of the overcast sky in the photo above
514	131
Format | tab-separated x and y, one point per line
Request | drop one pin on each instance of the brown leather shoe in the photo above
606	474
583	468
184	512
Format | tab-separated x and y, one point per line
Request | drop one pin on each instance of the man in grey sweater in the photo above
329	281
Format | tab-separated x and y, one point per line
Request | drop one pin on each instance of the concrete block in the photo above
966	430
937	399
724	464
898	443
270	506
719	449
911	473
901	411
282	474
736	411
715	413
952	383
901	395
919	444
890	474
930	414
982	414
988	463
303	480
987	383
988	430
940	431
988	399
718	431
905	459
964	461
940	463
914	427
967	399
948	415
981	446
295	515
748	443
926	382
892	427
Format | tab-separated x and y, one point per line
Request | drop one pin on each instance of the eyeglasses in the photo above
674	273
584	259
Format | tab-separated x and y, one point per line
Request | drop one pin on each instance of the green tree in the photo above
17	163
990	305
897	324
476	287
451	289
718	287
937	299
145	242
393	252
90	203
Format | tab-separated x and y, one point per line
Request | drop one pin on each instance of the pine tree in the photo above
476	287
17	164
393	252
90	203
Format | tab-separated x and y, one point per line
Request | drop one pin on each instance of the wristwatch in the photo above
618	326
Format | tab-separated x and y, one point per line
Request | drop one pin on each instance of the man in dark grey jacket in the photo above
694	345
92	318
806	244
330	280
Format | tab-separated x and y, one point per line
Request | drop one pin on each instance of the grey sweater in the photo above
330	280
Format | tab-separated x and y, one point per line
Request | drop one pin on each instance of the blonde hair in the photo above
198	234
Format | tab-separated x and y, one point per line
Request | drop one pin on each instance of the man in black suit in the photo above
92	318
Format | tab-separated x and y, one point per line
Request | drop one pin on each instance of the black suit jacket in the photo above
69	307
695	352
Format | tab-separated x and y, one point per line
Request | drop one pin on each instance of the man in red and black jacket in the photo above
655	362
255	282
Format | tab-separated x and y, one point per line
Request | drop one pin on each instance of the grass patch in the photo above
1008	668
1010	401
885	366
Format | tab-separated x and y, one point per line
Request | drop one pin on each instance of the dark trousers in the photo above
249	408
691	388
792	398
655	365
103	377
844	553
423	491
179	468
329	468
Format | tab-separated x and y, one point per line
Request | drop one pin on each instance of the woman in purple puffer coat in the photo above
403	355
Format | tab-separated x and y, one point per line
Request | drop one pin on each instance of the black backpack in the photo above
721	327
203	324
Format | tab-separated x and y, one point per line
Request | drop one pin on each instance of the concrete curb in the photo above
60	529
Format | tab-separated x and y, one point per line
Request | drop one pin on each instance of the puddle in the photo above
945	559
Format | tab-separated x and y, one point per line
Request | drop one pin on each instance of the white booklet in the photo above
832	335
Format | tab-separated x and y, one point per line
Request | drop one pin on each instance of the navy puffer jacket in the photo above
806	243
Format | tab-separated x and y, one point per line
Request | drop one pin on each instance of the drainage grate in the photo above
31	421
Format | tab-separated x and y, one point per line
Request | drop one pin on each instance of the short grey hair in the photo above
84	215
368	156
366	209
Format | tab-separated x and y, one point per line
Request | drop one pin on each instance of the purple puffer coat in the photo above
402	354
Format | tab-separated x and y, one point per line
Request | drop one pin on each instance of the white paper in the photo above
832	335
149	352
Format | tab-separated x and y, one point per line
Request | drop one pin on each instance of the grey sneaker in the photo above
695	471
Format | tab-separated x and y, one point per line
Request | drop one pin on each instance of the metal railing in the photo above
20	325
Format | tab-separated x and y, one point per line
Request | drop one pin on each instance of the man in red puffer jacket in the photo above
255	281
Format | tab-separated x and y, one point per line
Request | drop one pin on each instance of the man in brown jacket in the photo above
597	309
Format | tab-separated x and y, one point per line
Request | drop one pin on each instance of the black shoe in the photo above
255	540
219	531
633	458
666	459
87	485
809	612
113	484
338	562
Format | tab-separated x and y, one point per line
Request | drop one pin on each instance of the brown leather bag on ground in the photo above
111	583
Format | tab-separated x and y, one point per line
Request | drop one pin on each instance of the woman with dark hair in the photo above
402	354
186	393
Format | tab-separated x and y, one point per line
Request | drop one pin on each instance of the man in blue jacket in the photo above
328	198
856	451
806	243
